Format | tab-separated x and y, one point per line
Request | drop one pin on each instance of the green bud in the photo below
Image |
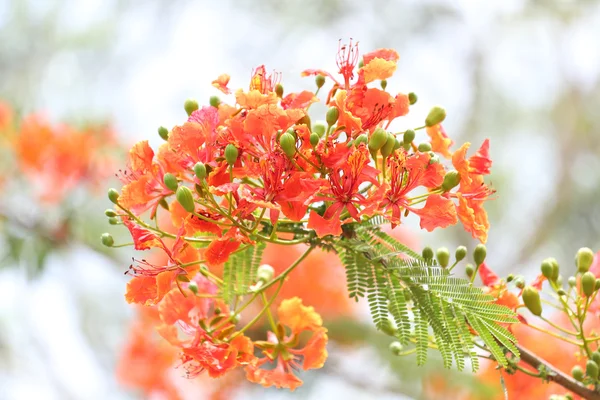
397	144
596	357
279	90
288	144
361	63
547	269
434	159
320	81
231	154
362	138
427	253
588	283
388	327
479	254
332	116
319	128
510	278
265	273
561	292
470	270
383	84
584	259
396	348
350	143
193	286
435	116
113	195
531	298
170	181
597	287
214	101
190	106
451	180
185	198
424	147
519	282
378	139
572	281
163	132
555	268
460	253
110	213
163	203
412	98
406	146
314	139
113	221
236	318
591	369
443	256
107	240
408	136
200	170
577	373
388	147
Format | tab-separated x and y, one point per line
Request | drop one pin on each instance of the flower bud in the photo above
519	282
332	116
435	116
113	195
214	101
443	256
434	159
107	240
555	268
460	253
288	144
584	259
190	106
185	198
596	357
200	170
597	287
412	98
572	281
110	213
479	254
577	373
193	286
319	81
231	154
265	273
163	203
361	63
531	298
170	181
451	180
469	270
588	283
510	278
561	292
591	369
389	145
547	269
424	147
319	128
427	253
398	143
388	327
363	138
279	90
408	136
314	139
113	221
383	84
163	132
396	348
378	139
235	318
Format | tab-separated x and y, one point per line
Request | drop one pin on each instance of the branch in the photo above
557	376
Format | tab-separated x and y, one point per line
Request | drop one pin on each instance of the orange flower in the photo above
380	64
279	349
221	83
470	207
440	142
438	212
478	164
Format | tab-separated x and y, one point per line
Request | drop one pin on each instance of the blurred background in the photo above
523	73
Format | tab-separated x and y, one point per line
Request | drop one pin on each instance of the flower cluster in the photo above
259	170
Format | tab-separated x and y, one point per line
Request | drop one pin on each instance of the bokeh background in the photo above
523	73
